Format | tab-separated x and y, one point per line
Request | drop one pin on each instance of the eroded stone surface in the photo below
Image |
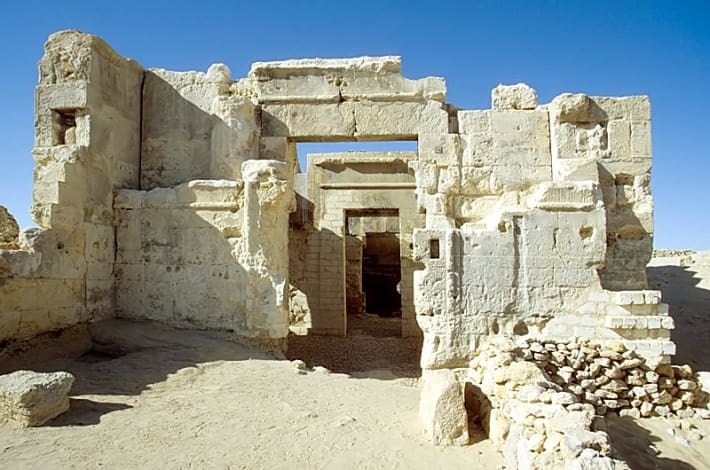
441	409
519	96
9	231
30	398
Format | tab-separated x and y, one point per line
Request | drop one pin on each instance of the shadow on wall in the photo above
629	246
176	267
690	308
181	141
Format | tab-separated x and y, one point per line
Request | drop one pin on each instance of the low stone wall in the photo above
209	253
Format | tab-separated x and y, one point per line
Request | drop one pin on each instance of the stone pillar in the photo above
269	197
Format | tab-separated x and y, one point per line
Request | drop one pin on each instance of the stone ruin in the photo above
178	197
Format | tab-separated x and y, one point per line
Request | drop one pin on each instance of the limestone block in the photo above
234	136
574	108
399	120
577	196
277	148
332	80
580	169
517	177
640	139
619	134
440	149
519	374
450	340
62	96
308	120
518	96
477	151
474	208
32	398
19	263
193	128
99	243
441	408
449	180
474	122
393	88
524	131
99	294
9	231
295	88
426	174
479	181
630	108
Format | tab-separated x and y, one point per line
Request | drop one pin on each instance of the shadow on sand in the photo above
382	358
632	443
689	306
122	358
83	412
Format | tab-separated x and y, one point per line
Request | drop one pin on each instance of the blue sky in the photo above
661	49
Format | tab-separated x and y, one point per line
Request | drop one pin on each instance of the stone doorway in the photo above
373	273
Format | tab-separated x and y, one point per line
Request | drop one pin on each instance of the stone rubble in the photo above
612	378
537	423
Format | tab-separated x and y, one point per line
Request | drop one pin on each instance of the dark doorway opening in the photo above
373	273
381	273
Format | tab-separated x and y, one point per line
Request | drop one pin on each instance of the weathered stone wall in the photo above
86	145
9	231
611	138
525	219
195	126
203	254
530	208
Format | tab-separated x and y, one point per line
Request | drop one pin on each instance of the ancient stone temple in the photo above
178	197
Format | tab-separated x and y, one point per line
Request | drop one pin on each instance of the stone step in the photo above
639	322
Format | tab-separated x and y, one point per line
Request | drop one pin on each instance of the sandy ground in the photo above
153	397
185	399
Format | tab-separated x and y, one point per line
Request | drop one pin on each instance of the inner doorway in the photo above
381	273
373	273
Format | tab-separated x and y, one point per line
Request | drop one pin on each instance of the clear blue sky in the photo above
661	49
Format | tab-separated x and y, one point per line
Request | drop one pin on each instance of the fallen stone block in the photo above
442	410
30	398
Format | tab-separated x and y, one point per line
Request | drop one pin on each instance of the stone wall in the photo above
86	144
202	254
537	213
195	126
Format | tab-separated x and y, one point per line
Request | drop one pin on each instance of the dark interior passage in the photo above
381	274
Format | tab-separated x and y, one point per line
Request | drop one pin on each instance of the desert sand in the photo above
149	396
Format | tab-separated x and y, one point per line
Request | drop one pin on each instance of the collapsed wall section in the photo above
87	143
